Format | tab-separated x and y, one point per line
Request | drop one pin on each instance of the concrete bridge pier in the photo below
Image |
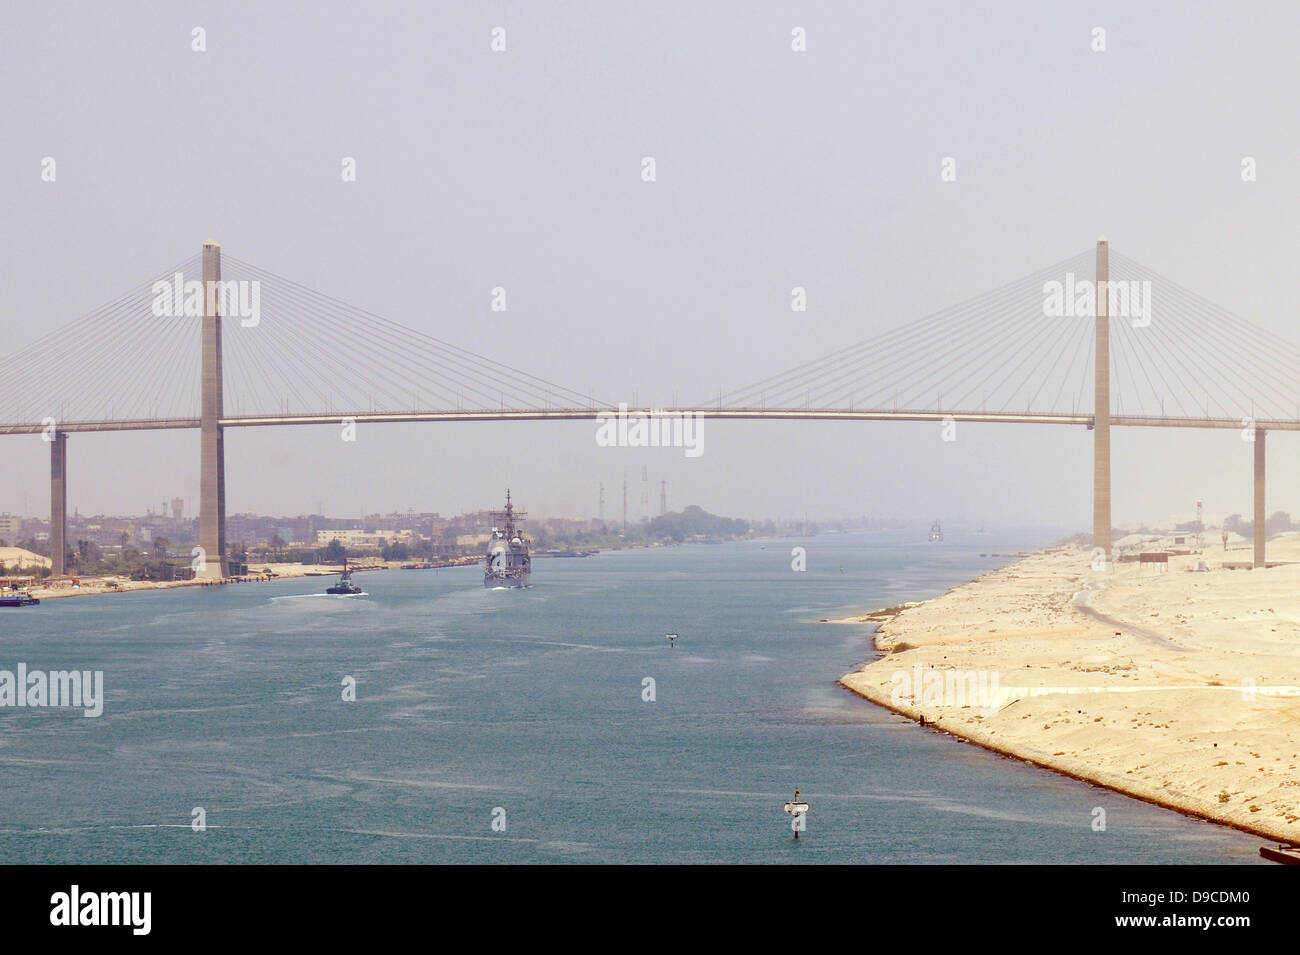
1101	407
212	456
1259	497
58	504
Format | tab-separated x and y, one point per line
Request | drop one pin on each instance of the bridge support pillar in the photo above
1259	497
59	504
212	456
1101	407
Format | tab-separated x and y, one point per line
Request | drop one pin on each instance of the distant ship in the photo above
507	563
567	552
345	587
936	532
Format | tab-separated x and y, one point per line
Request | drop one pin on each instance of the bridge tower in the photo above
212	455
59	503
1259	498
1101	406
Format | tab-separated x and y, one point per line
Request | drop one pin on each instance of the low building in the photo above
356	539
11	527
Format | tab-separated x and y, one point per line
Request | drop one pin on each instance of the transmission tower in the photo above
645	496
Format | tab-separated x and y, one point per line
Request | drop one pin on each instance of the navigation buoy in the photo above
672	640
797	811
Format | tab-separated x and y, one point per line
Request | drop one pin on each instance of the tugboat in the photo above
507	564
345	587
936	532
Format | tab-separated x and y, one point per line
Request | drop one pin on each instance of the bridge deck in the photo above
732	414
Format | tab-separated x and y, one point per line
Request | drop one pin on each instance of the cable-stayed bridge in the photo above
266	352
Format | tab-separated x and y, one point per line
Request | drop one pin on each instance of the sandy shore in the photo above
1178	688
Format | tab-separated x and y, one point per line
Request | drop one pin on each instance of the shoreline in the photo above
1011	754
1044	661
92	585
97	586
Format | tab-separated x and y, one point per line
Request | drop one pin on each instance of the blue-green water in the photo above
230	699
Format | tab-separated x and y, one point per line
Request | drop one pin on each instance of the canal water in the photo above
548	725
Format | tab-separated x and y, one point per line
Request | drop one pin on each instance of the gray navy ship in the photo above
507	563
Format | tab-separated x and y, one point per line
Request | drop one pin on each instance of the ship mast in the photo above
508	518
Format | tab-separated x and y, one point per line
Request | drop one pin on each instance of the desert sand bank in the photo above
1178	688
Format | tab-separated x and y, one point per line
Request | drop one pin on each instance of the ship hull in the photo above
507	568
493	582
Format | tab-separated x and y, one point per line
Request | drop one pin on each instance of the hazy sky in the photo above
522	169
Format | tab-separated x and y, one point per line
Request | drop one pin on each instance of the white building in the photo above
364	540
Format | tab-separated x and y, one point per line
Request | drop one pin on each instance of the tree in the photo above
1279	523
276	543
89	556
160	545
335	551
1234	524
396	550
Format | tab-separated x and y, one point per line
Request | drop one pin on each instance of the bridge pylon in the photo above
58	503
1259	499
1101	406
212	455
